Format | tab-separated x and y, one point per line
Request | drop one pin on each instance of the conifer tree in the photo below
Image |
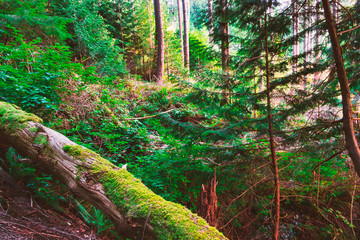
348	122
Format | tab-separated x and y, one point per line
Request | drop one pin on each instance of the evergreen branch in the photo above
349	30
147	117
329	158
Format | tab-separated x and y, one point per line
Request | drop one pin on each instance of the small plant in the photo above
94	217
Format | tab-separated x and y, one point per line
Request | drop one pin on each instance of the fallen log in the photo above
128	203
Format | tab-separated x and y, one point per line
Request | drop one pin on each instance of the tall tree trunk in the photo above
224	31
225	52
160	43
129	204
150	52
271	136
180	29
186	37
317	40
306	40
211	23
295	34
348	123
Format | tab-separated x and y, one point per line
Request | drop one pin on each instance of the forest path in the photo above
21	217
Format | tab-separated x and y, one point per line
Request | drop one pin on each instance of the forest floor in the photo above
21	217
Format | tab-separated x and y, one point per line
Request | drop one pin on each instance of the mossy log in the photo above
128	203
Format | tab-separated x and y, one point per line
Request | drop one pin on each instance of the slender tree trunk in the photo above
211	23
186	37
317	40
180	30
150	52
295	33
225	52
271	136
306	40
348	123
160	42
224	28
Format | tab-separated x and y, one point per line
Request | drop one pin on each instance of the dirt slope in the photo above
21	217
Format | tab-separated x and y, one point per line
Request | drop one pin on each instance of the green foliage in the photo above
177	152
173	174
33	20
94	217
201	55
92	42
43	186
32	76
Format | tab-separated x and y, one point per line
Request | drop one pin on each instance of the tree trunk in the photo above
348	123
225	52
186	37
296	37
224	28
271	136
128	203
211	23
159	73
317	40
180	29
306	41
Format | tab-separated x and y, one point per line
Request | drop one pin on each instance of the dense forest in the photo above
243	112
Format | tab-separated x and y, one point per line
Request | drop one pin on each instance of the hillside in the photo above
189	117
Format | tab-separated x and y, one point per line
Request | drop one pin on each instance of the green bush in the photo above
32	75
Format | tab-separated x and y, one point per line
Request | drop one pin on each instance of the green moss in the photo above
33	129
12	117
83	154
41	140
170	220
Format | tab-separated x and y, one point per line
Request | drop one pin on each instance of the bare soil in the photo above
21	217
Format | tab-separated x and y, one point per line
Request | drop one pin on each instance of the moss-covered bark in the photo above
122	197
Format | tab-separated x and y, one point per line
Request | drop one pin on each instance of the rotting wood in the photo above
207	204
113	190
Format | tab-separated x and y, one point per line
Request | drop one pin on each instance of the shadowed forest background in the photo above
231	108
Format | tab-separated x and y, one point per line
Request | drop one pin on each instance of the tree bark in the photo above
129	204
295	34
180	30
317	40
271	136
224	28
186	37
159	73
225	51
348	122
